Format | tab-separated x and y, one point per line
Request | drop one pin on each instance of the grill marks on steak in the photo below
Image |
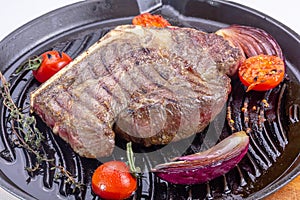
152	86
168	103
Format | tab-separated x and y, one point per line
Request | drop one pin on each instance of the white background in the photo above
15	13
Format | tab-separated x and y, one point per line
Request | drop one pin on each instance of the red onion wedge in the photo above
204	166
250	40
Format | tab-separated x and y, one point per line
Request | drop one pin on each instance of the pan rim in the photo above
6	185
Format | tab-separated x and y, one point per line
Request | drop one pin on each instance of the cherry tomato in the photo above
262	72
113	180
48	64
149	20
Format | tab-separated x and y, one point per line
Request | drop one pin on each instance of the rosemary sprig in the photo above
30	137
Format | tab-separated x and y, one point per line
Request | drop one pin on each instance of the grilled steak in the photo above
151	86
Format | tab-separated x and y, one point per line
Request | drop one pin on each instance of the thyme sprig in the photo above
68	177
29	137
26	125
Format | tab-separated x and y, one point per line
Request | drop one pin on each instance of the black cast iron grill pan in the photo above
273	157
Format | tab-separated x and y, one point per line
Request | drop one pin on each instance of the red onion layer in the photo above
250	40
204	166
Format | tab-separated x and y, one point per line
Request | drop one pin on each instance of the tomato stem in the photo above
34	64
31	64
136	171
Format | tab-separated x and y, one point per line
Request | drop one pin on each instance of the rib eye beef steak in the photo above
150	85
